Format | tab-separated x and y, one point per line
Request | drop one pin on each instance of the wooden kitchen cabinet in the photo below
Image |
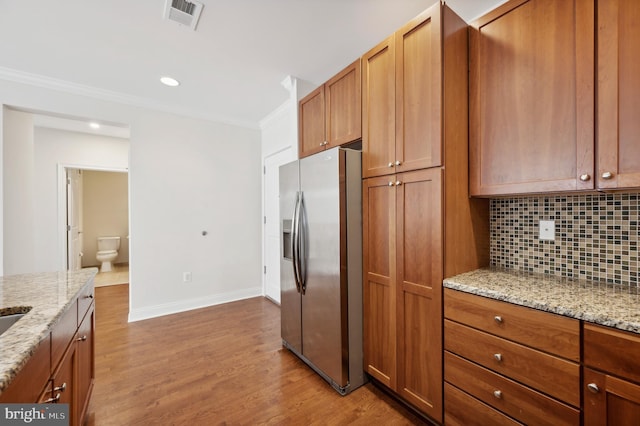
419	225
611	382
331	115
532	98
402	84
402	286
618	94
522	362
62	368
85	343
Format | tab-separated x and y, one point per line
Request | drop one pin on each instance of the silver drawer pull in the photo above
82	339
498	319
52	400
398	162
497	394
498	357
593	388
390	183
390	164
585	177
61	388
607	175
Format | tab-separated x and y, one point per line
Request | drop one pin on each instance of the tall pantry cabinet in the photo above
419	223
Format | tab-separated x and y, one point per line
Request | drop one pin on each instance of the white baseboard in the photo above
189	304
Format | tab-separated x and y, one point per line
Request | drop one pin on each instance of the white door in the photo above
74	219
272	223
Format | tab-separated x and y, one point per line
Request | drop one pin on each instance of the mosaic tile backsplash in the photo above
596	236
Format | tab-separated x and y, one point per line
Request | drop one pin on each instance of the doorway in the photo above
272	223
97	205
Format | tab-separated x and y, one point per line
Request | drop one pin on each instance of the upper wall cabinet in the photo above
618	94
402	98
331	115
532	98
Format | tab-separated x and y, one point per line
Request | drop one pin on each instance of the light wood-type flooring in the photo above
119	274
222	365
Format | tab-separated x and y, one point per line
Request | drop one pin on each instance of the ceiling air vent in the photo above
183	12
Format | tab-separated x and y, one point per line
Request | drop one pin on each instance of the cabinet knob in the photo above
82	339
398	183
390	164
390	183
61	388
321	143
593	388
607	175
497	394
498	357
585	177
398	162
498	319
89	296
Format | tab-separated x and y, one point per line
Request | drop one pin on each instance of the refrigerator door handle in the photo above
294	243
302	244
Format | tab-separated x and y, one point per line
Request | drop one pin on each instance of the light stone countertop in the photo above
597	302
46	296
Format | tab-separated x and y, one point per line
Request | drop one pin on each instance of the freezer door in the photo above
324	319
290	309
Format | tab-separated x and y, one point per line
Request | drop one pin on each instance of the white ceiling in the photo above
230	67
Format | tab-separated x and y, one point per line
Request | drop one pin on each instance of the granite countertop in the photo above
597	302
44	297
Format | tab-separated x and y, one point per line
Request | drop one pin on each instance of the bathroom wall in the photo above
105	209
53	148
596	236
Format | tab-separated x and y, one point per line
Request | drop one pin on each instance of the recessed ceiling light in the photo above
168	81
94	125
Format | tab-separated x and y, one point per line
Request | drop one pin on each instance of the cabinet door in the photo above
64	379
418	92
609	400
378	110
86	362
344	106
311	123
379	218
531	98
419	289
618	94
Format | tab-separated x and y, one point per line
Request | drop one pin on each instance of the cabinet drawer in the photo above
541	330
549	374
30	382
464	410
514	399
85	299
614	351
62	334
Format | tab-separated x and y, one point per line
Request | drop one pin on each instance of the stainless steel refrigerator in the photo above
321	264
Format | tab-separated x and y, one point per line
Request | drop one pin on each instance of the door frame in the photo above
62	204
285	152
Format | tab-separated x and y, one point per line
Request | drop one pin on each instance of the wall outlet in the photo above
186	277
548	230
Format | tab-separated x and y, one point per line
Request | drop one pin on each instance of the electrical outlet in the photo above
548	230
186	277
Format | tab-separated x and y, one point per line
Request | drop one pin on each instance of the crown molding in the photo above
45	82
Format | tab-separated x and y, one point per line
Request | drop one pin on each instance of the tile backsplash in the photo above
596	236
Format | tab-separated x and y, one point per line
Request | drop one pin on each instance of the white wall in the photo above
58	147
185	176
105	200
19	240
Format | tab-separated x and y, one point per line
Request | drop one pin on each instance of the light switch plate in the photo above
548	230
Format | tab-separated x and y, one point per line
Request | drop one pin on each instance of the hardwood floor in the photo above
222	365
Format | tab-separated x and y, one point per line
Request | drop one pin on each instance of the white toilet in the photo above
107	252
